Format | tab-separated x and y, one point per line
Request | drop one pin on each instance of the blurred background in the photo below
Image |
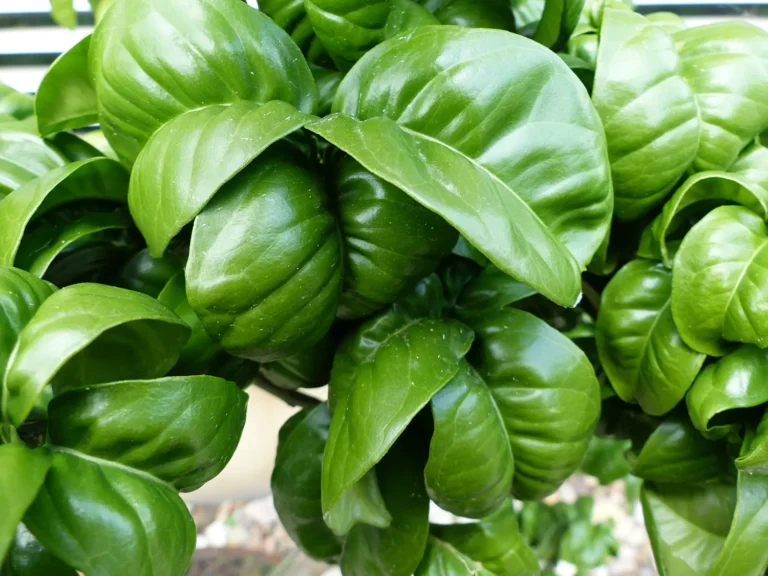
238	529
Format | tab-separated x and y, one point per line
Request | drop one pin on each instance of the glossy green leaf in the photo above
87	334
388	387
99	179
27	557
724	63
648	110
677	453
24	156
16	104
296	482
639	346
143	273
546	391
606	459
700	190
62	233
738	380
271	222
308	368
743	552
327	84
291	16
73	147
494	542
144	528
754	453
189	160
461	133
489	14
24	474
66	98
182	430
200	352
558	20
192	53
470	466
348	28
21	294
390	241
397	549
490	290
687	524
442	559
407	15
425	300
361	504
717	283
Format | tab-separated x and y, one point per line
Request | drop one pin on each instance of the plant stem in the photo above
290	397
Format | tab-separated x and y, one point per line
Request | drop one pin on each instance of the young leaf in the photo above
754	454
648	110
442	559
193	53
486	178
720	269
66	98
638	344
23	474
361	504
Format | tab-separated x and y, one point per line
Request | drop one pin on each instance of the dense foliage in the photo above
477	222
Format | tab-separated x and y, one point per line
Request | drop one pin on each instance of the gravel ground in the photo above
246	538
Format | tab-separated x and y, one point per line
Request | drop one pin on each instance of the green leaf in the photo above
362	503
638	343
186	442
442	559
677	453
494	542
327	84
470	466
390	241
348	28
743	552
88	334
68	233
489	14
271	222
66	98
489	291
699	191
584	544
200	352
648	109
143	273
24	474
193	156
16	104
558	20
64	13
725	65
296	482
754	454
143	527
73	147
716	286
384	392
397	549
546	391
670	21
21	294
606	459
359	346
27	557
193	53
24	156
99	179
407	15
308	368
738	380
687	524
479	158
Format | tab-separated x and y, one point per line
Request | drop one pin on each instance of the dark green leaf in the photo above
487	14
23	474
192	53
584	544
606	459
327	84
639	346
87	334
66	98
27	557
362	503
143	273
720	270
309	368
490	290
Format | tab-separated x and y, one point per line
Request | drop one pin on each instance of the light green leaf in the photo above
738	380
754	454
66	98
192	53
720	269
638	344
88	334
606	459
64	13
670	21
16	104
23	474
648	110
442	559
24	156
